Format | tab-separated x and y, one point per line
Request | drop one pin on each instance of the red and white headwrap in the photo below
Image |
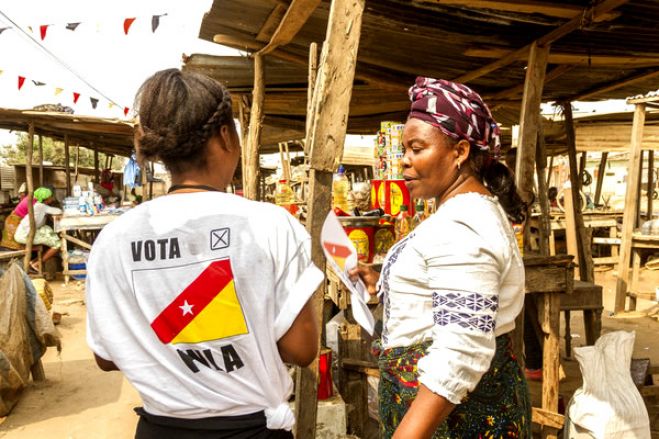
457	110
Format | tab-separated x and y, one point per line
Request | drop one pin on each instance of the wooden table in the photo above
65	224
639	243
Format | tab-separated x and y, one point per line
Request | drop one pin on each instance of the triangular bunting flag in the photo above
126	109
30	29
21	81
72	26
127	24
38	83
2	29
155	22
94	102
111	105
58	90
76	96
42	30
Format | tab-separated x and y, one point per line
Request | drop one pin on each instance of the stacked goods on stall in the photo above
388	190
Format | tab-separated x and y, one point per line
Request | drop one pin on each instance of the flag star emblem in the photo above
186	308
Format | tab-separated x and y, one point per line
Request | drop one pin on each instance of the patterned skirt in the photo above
499	406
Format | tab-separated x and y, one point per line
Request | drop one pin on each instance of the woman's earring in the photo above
458	165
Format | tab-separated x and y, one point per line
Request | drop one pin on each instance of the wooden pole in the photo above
251	171
600	177
586	272
550	170
313	73
530	120
96	171
243	116
67	165
550	323
540	164
582	168
40	160
649	215
77	162
629	215
30	195
328	124
637	222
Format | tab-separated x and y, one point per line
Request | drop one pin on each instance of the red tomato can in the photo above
390	195
325	387
361	231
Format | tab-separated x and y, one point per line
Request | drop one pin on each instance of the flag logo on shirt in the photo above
207	309
338	252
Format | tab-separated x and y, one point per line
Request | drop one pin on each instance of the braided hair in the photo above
179	112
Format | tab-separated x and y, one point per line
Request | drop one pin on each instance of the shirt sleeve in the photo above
296	276
464	277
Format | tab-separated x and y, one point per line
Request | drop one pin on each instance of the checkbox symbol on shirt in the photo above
220	238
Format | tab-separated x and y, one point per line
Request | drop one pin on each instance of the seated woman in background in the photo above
45	235
14	219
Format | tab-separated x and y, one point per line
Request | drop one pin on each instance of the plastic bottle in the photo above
419	214
340	190
403	223
284	195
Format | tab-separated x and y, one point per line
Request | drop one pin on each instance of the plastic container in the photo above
361	231
284	195
341	190
79	266
403	223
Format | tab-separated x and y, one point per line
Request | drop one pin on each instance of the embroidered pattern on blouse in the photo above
384	286
451	309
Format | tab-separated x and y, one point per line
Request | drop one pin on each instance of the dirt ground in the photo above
78	400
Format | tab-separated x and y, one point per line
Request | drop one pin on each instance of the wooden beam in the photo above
30	196
540	166
67	164
270	25
251	171
40	160
313	73
629	215
651	183
575	59
575	23
601	171
330	106
614	85
545	417
586	272
524	7
530	120
549	305
96	170
513	92
297	14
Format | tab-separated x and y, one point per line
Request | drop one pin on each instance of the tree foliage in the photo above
53	152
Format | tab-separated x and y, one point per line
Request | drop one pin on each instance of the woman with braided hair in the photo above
453	287
199	297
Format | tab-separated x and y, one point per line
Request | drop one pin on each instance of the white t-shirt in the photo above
457	280
188	295
40	212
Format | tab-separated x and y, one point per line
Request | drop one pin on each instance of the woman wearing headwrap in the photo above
453	287
44	235
14	219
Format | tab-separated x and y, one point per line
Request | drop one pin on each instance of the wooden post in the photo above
243	116
328	124
313	73
550	170
251	171
540	164
582	168
629	215
571	239
637	221
67	165
96	171
77	163
586	272
650	183
600	177
30	195
550	321
529	120
40	160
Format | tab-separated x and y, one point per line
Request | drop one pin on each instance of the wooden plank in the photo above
328	123
251	152
643	100
313	73
573	59
77	241
40	160
67	164
584	248
595	12
637	221
516	90
549	322
545	417
629	215
607	260
636	268
11	254
97	174
524	7
647	391
571	225
540	165
296	16
614	85
651	184
30	191
600	177
270	25
609	241
529	121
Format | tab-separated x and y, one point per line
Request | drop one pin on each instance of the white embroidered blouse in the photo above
458	280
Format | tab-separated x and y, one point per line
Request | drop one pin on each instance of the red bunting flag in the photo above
126	109
76	96
42	30
128	22
21	81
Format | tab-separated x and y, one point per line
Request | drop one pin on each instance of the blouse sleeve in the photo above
464	276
